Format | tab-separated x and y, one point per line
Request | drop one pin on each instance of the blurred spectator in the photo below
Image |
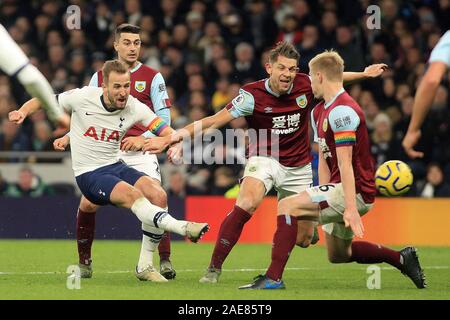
4	185
29	185
196	82
12	137
99	28
194	21
133	11
388	98
309	46
328	25
197	181
169	16
224	180
434	186
246	66
211	35
177	185
235	30
381	138
302	11
42	137
221	96
148	30
349	51
262	26
180	37
290	31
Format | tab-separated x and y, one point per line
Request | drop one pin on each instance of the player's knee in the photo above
131	196
247	203
157	196
284	206
87	206
303	241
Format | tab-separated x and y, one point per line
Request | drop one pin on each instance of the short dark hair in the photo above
126	28
284	49
113	65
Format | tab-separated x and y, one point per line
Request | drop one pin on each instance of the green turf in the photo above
35	269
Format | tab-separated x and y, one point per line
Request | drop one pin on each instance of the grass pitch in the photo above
36	269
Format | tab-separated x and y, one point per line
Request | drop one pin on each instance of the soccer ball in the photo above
393	178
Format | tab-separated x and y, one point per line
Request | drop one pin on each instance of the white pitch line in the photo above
200	270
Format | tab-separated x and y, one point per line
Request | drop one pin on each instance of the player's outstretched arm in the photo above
352	218
372	71
422	102
137	143
28	108
158	145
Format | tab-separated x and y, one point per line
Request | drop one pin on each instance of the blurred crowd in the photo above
207	49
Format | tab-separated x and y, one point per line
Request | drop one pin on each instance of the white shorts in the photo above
330	197
144	162
285	180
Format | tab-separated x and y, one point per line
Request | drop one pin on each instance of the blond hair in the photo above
113	65
330	64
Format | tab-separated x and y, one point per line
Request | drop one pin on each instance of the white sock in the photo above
150	239
157	217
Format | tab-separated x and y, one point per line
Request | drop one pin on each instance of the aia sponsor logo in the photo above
105	136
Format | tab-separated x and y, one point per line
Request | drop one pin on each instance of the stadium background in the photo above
205	51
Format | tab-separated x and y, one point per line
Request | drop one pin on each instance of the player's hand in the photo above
156	145
60	144
175	154
375	70
16	116
409	141
353	220
132	143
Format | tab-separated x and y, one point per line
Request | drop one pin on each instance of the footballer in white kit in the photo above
96	133
100	118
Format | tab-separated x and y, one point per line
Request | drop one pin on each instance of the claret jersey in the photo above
284	117
341	122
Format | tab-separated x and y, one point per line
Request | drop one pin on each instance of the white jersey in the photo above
12	58
95	132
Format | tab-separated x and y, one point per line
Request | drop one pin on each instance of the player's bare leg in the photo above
250	195
152	236
285	238
339	250
127	196
306	233
307	227
85	235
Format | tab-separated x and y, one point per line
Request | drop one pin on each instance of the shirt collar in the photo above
334	98
136	67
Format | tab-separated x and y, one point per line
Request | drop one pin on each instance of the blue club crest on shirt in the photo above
140	86
302	101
